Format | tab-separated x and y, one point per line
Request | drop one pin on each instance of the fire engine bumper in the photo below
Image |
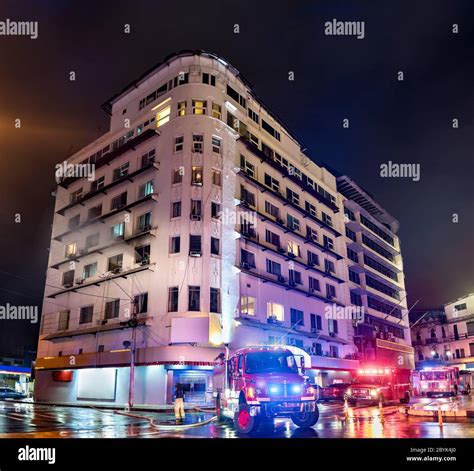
282	408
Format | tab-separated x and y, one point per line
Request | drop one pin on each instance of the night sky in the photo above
336	77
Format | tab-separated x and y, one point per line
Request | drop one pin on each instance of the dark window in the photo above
119	201
173	294
215	305
194	298
86	313
176	209
68	277
330	291
140	303
316	322
115	263
195	244
142	254
112	309
247	259
215	243
215	210
175	244
297	317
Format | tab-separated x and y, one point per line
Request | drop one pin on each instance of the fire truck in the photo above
378	385
257	384
440	381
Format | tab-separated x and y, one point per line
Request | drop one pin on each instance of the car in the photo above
334	392
10	393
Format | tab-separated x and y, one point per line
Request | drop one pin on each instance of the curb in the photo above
434	413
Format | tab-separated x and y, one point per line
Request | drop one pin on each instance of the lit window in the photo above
293	248
275	312
247	305
216	177
216	111
118	230
70	250
89	270
163	116
199	107
196	176
181	108
146	189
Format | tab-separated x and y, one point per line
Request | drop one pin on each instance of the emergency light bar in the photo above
375	371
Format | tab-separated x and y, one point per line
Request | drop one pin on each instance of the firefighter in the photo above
179	403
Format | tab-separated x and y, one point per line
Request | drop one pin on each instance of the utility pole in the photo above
133	324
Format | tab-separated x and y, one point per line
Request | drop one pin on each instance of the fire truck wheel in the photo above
243	421
305	419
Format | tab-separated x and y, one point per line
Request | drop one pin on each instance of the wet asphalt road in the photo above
40	421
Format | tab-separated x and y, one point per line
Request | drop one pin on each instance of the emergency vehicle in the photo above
378	385
258	384
465	382
439	381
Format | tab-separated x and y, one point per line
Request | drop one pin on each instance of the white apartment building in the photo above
376	279
446	337
204	225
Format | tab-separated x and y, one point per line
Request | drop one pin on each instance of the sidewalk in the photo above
453	407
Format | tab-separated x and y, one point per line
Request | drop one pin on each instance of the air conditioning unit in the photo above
280	221
281	278
245	265
292	283
291	255
195	253
144	262
117	270
79	281
332	334
195	217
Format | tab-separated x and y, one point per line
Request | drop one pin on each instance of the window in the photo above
112	309
329	266
275	312
178	143
247	167
236	96
142	254
293	223
94	212
215	246
328	242
273	268
98	184
351	255
377	248
216	145
215	210
177	175
297	317
382	287
272	238
314	284
196	209
74	222
318	349
176	209
384	307
70	250
114	263
146	189
216	111
377	266
354	276
175	245
209	79
173	294
215	297
311	209
247	259
351	234
144	222
118	231
370	225
199	107
181	108
140	303
295	277
275	340
247	196
247	305
68	277
460	307
196	177
75	196
292	196
313	258
356	299
293	248
311	234
327	219
273	132
119	202
198	143
86	314
121	171
272	209
316	322
148	158
216	177
63	321
332	326
163	116
330	291
333	351
194	298
272	183
253	116
195	248
89	270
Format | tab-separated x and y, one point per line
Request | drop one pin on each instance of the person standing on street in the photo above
179	403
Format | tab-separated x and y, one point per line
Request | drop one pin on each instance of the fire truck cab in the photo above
378	385
439	381
257	384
